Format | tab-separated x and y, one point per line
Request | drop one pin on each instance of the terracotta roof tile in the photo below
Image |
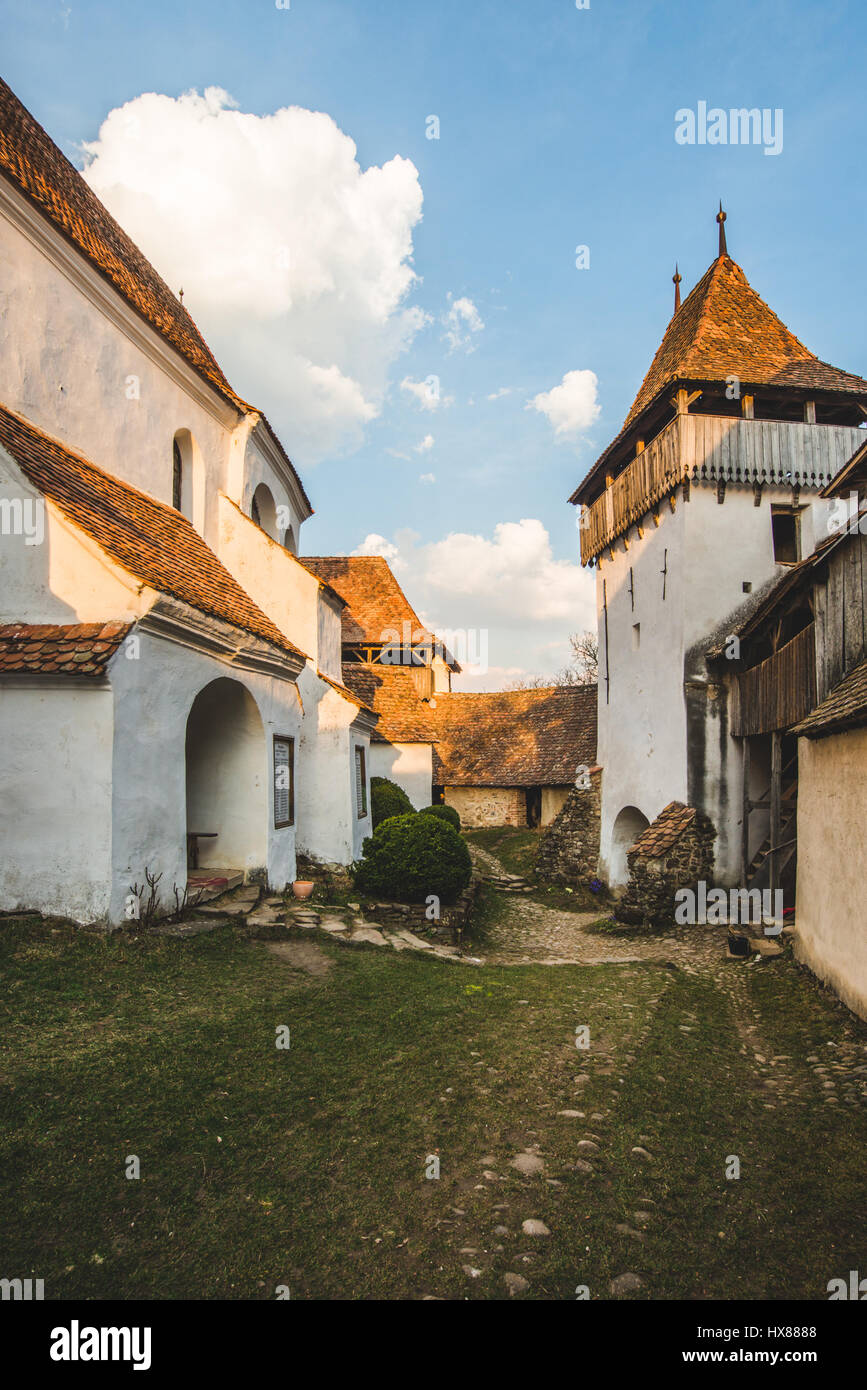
149	540
391	691
722	329
31	161
515	738
665	831
375	601
844	708
41	649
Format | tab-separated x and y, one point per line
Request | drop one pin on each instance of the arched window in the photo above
289	542
177	476
263	510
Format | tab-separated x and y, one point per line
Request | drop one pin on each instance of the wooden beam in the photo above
776	778
745	814
810	412
748	407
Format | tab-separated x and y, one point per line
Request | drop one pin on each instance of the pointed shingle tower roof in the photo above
722	329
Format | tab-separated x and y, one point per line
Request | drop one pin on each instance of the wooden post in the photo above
810	412
747	407
745	822
776	780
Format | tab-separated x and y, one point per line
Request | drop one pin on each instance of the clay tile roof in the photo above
515	738
722	329
375	601
844	708
665	831
31	161
391	691
80	649
149	540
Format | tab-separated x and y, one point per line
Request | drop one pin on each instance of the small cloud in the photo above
425	444
570	407
374	544
426	393
497	395
427	477
396	454
461	322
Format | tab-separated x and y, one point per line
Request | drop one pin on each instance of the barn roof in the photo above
391	692
515	738
844	708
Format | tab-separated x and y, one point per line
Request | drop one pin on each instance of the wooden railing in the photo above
778	692
714	448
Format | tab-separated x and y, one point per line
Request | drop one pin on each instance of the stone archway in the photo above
226	778
629	824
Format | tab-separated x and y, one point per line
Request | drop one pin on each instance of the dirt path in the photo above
528	932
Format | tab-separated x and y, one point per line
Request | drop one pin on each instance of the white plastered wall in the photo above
329	830
55	810
410	765
832	849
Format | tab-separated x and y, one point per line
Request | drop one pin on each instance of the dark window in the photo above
786	528
177	475
360	783
254	512
284	781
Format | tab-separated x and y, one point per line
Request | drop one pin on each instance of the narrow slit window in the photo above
360	783
636	636
284	781
177	476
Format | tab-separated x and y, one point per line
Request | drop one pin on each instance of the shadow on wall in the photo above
227	788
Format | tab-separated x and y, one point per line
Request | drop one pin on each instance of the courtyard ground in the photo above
305	1167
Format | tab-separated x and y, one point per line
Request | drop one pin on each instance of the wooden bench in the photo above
193	838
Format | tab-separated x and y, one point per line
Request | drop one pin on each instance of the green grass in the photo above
516	850
305	1167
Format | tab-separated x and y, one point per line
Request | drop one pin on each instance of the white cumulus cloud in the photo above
461	322
570	407
296	263
424	444
427	477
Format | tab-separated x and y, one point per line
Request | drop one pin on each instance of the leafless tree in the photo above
582	670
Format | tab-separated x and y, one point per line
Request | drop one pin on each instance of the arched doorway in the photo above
227	787
626	829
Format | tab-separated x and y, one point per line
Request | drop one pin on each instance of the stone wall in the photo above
569	847
675	851
479	806
453	924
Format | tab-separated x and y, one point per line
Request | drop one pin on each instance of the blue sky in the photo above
556	129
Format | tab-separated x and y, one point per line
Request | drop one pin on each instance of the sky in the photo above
434	241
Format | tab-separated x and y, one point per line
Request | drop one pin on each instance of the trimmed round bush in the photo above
407	858
388	799
446	813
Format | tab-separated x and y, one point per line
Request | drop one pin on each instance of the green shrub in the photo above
446	813
388	799
410	857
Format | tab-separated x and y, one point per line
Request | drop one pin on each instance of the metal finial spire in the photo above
676	277
181	295
721	217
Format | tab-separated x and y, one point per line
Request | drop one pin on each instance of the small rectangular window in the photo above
785	524
284	781
360	782
636	636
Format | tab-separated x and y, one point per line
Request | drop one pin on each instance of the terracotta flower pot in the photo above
302	888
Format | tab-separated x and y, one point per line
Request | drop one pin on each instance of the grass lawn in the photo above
516	850
306	1167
